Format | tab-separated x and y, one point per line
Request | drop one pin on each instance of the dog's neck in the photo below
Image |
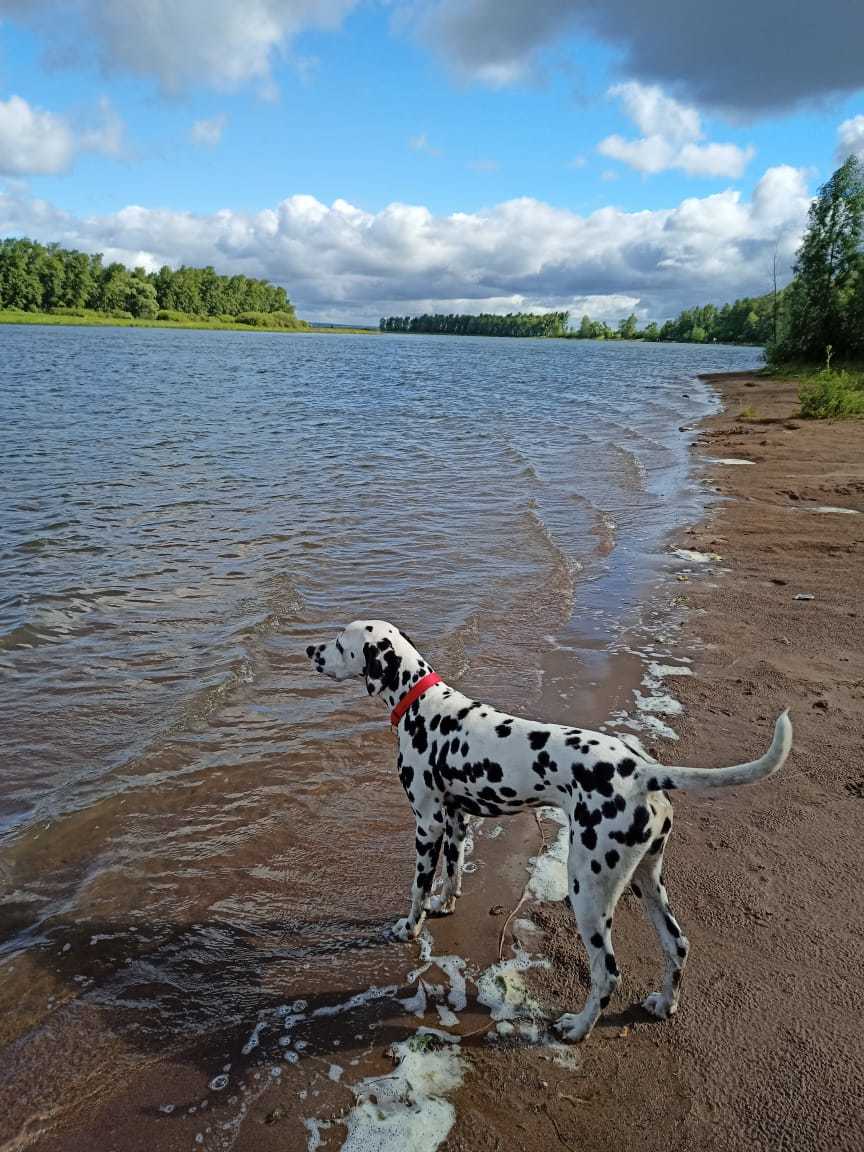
412	668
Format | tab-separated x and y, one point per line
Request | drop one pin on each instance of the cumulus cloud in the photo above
673	132
850	138
737	55
216	42
32	141
209	132
342	262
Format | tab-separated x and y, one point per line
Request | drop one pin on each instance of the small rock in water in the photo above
805	596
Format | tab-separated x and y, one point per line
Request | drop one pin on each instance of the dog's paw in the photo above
404	930
572	1028
441	906
658	1006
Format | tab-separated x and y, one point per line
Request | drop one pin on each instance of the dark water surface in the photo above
205	823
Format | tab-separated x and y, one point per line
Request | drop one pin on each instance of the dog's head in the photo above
370	648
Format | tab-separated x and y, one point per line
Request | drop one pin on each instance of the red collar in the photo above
408	699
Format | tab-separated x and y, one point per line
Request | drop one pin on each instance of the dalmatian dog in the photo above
459	758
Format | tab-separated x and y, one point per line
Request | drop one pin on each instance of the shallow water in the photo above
206	824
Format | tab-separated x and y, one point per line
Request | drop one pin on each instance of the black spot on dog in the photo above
310	650
604	1001
612	858
671	925
626	767
682	951
637	891
656	846
611	966
538	740
596	779
597	940
595	864
667	824
503	730
638	832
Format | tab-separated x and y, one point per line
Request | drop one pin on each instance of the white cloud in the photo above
850	138
420	143
342	262
672	134
739	55
180	42
106	135
485	164
209	132
34	142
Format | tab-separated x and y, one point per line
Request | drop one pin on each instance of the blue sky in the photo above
172	132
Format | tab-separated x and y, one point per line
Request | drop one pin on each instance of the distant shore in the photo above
104	320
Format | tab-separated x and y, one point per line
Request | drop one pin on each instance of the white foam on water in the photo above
661	671
446	1017
729	460
830	508
335	1072
416	1004
313	1127
502	988
358	1000
660	704
548	878
408	1110
693	557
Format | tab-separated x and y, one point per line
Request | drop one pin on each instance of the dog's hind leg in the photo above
594	893
429	835
455	829
648	885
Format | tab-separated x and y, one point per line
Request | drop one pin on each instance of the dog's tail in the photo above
767	765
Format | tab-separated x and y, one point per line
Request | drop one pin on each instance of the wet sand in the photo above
766	1051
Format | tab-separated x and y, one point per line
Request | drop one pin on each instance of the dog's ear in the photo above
373	669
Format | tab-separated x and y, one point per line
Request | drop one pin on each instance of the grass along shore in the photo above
87	318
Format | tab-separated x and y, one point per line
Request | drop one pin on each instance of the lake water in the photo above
203	821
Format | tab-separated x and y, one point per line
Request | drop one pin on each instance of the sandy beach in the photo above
766	1050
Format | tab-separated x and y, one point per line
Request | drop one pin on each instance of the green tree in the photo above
822	298
628	329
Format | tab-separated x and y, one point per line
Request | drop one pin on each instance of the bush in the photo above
118	314
268	319
832	394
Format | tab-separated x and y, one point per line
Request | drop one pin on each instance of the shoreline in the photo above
765	1050
46	319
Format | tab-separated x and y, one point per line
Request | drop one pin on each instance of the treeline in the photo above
749	320
485	324
47	278
823	307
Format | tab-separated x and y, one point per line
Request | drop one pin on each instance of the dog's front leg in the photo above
429	834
